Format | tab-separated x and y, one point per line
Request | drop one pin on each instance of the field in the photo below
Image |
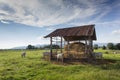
33	67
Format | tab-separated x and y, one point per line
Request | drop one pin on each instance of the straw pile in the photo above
74	50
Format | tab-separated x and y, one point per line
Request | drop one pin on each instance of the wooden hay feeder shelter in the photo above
84	34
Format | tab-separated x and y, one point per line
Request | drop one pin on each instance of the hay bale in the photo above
76	49
76	46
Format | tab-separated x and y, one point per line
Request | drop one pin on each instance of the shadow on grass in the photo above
104	64
85	61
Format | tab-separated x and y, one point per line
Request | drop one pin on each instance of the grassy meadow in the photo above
33	67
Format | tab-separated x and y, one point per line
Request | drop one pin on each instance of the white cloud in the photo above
42	40
50	29
4	12
43	13
5	22
100	16
102	24
116	32
5	44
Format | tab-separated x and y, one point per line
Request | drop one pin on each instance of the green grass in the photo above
110	54
33	67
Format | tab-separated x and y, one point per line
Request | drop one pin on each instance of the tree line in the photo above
111	46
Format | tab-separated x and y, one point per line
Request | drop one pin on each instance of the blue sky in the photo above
24	22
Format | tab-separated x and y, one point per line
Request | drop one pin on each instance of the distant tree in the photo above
110	46
46	46
56	47
40	47
117	46
96	46
104	47
31	47
53	46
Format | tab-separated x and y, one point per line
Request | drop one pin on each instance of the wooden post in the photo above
61	45
86	48
90	47
56	46
50	47
64	42
67	46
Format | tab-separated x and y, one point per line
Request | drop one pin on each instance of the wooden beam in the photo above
64	42
90	47
61	45
68	47
86	48
50	46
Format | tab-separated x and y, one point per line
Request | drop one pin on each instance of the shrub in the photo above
117	46
110	46
104	47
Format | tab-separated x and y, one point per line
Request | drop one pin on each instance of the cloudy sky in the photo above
24	22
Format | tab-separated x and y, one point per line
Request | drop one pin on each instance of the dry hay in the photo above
76	50
76	46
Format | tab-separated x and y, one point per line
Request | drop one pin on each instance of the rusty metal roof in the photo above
75	33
